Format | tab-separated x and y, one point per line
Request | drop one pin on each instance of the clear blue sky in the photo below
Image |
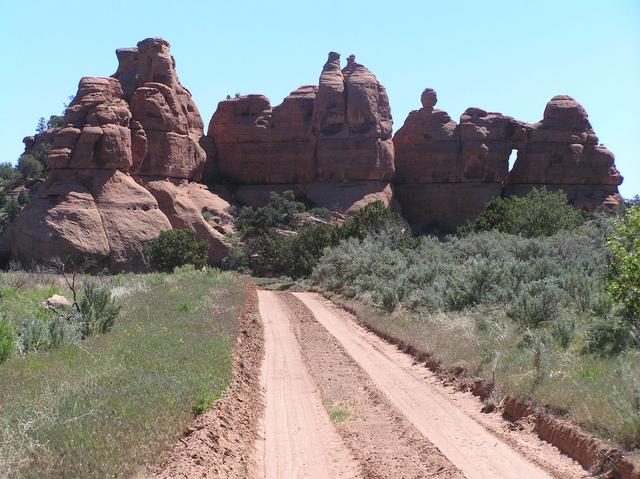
507	56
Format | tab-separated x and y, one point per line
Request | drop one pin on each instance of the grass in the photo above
105	406
337	412
600	393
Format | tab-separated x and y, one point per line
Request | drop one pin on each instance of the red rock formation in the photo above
446	173
562	152
138	128
319	138
257	144
164	109
352	122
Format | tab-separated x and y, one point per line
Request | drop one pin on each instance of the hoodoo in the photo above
330	143
126	141
131	158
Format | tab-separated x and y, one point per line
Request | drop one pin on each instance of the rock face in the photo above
333	139
562	152
117	169
126	162
447	172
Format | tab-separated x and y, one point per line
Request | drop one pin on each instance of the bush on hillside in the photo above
539	213
175	248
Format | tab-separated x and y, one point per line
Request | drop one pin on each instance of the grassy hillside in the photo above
105	405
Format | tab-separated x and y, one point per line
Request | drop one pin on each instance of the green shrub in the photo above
539	213
537	302
175	248
23	197
370	219
7	339
623	278
563	331
607	337
281	211
580	287
56	328
98	310
30	167
34	336
12	209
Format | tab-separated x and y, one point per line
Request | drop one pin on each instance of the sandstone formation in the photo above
117	168
563	152
127	161
447	172
330	143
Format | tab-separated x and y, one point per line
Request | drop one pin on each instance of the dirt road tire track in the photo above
464	441
299	439
383	441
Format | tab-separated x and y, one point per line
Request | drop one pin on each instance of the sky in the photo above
506	56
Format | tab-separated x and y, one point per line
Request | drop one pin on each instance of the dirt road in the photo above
299	440
391	421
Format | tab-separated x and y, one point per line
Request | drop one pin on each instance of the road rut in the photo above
299	439
474	450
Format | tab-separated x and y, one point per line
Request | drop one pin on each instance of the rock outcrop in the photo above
127	161
562	152
446	172
330	143
116	170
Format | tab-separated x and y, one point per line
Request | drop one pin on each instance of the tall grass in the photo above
106	405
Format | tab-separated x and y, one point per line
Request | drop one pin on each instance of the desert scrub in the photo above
531	313
104	406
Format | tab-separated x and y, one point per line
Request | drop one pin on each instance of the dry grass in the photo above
600	393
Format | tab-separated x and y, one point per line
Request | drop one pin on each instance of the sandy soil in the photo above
383	440
439	414
299	439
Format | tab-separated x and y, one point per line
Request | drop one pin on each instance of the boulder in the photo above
56	302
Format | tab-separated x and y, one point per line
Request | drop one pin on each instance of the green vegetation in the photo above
32	165
175	248
281	211
105	405
284	238
539	308
98	310
539	213
624	273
